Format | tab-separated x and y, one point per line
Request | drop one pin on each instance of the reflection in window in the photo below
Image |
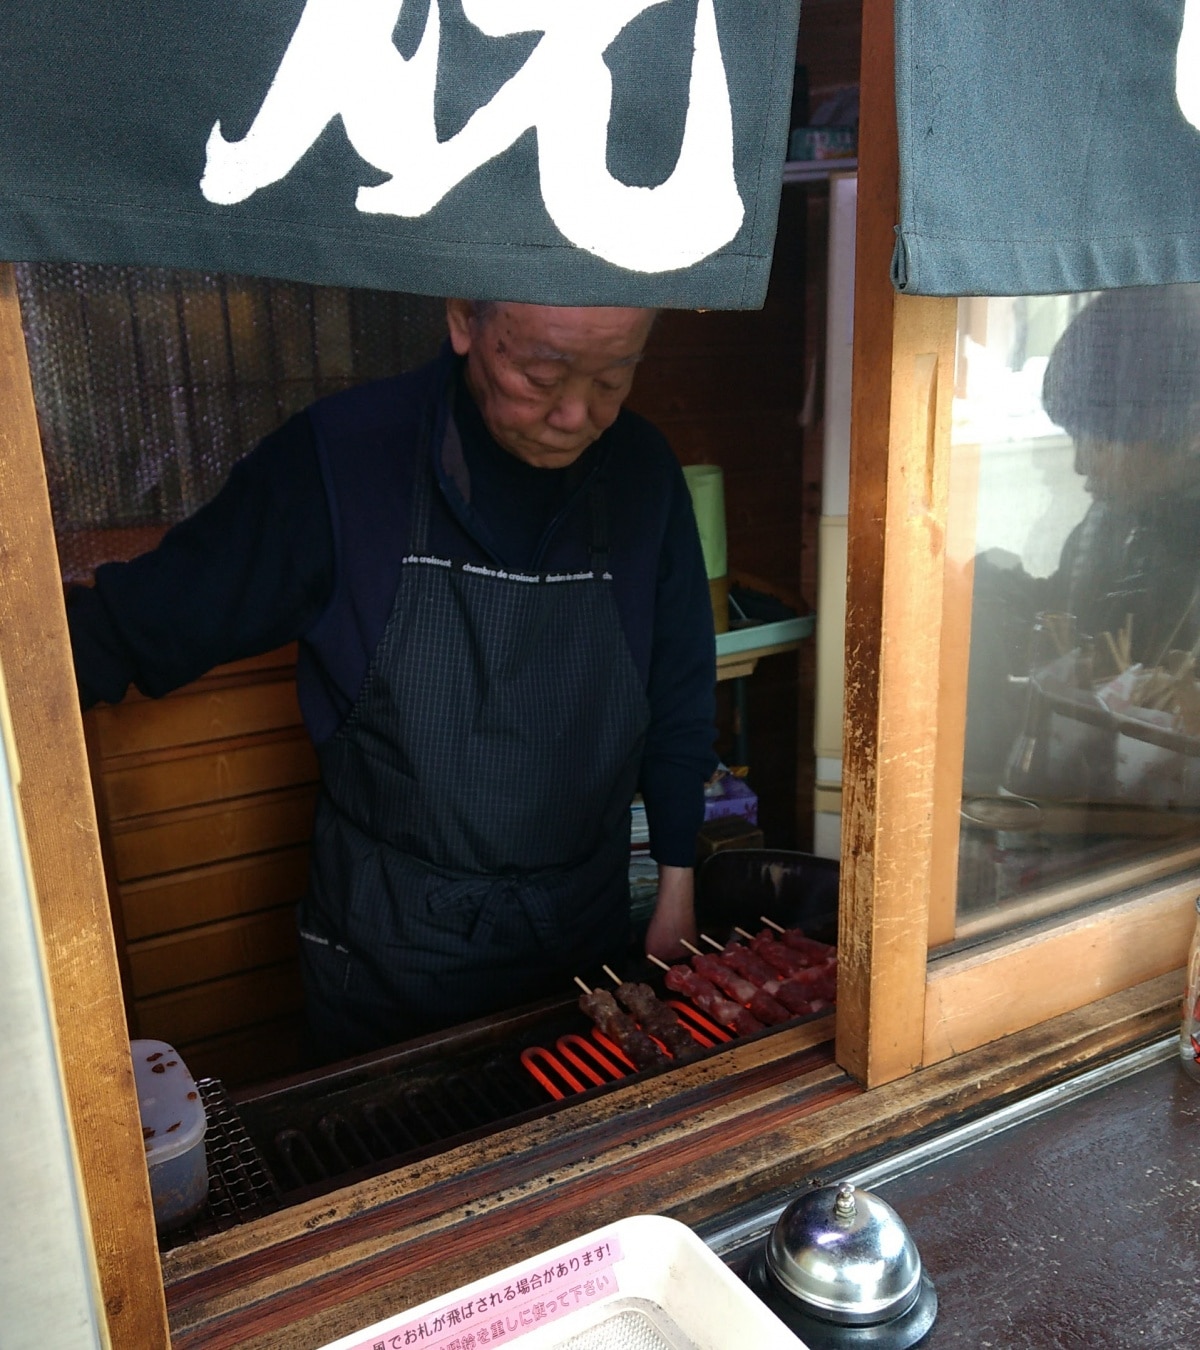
1076	495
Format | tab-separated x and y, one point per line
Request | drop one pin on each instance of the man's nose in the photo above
570	413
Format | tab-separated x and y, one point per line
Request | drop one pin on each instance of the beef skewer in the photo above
819	981
798	942
744	961
790	962
708	998
768	1010
655	1017
619	1027
795	996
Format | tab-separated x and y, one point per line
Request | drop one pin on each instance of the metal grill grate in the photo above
240	1185
396	1122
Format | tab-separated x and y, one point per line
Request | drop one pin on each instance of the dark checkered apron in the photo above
471	847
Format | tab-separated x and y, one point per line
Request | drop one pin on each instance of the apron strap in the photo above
598	509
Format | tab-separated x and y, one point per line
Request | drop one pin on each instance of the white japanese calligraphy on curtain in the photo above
342	61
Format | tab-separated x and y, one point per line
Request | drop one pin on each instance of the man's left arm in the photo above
679	755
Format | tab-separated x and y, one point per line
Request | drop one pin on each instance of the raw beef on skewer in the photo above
768	1010
795	997
682	979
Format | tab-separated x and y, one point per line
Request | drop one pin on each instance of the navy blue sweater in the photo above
305	545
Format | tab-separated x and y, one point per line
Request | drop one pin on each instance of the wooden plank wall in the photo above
205	800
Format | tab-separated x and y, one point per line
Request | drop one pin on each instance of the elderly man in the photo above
495	580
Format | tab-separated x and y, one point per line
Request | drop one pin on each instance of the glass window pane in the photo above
1076	498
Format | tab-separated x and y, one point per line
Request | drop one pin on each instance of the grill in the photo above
302	1137
324	1130
240	1186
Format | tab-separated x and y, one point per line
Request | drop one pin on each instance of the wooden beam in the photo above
900	417
980	995
64	850
952	693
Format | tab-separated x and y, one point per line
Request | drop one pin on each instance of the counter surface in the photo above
1078	1228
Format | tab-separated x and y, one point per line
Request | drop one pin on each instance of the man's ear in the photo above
459	314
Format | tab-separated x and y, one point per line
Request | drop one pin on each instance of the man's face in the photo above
548	380
1131	475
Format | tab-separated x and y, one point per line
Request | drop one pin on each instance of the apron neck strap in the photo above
438	422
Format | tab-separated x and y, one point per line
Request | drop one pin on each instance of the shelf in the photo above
740	650
816	170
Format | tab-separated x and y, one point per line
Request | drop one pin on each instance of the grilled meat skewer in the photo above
621	1029
657	1019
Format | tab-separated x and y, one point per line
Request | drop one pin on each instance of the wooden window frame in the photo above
899	1006
722	1134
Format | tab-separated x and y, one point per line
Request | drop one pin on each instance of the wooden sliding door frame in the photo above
898	1007
59	820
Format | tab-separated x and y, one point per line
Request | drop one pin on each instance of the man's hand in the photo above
674	916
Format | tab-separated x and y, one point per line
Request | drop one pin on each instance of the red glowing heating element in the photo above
579	1062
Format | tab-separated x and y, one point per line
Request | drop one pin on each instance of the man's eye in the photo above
539	382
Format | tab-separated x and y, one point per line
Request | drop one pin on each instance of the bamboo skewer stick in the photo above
612	975
748	936
712	942
1058	627
694	950
661	964
582	986
1115	652
778	927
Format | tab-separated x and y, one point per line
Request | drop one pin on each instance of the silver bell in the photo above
842	1270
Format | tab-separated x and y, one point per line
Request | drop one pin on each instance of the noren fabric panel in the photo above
615	152
1047	147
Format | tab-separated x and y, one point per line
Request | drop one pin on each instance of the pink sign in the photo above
521	1300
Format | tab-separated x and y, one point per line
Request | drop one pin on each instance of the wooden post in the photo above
903	384
64	850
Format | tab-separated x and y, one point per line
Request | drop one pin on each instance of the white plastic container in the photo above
642	1283
173	1127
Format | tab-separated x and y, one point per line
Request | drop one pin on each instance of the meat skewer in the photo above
768	1010
619	1027
655	1017
796	995
787	960
745	961
708	998
792	937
